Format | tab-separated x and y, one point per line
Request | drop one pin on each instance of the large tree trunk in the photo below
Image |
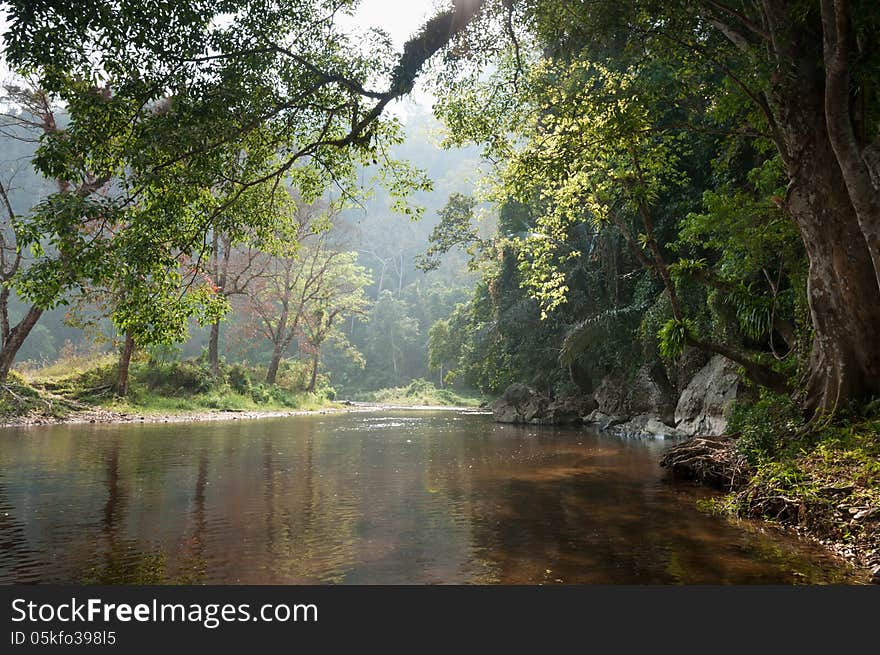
272	371
855	169
214	348
842	288
13	341
124	365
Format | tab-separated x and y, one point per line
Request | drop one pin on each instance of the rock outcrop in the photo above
645	406
519	404
568	410
522	404
705	403
650	393
610	396
602	420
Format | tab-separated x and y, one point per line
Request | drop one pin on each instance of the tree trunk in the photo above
855	171
124	364
272	371
13	341
214	348
842	288
314	378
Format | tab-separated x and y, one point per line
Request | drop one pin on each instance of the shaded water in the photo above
391	497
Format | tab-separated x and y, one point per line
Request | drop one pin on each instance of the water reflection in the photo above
410	497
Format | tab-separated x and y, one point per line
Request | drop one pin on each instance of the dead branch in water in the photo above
709	460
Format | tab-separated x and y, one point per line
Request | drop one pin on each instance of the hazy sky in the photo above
401	19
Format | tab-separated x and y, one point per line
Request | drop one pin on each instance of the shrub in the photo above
173	378
767	426
239	379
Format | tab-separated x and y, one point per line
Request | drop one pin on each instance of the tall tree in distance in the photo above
308	282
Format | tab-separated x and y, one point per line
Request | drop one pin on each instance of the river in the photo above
387	497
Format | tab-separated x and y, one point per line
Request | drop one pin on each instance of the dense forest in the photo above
388	322
217	190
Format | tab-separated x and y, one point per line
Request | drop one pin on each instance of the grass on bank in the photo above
82	381
20	399
822	479
418	392
157	387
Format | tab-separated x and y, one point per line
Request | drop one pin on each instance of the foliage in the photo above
418	392
767	426
673	337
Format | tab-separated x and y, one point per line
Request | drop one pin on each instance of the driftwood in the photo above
709	460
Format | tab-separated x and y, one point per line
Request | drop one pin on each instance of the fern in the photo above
580	336
673	337
753	313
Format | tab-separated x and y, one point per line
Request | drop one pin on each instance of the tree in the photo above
392	335
307	284
801	70
165	112
30	118
342	296
236	257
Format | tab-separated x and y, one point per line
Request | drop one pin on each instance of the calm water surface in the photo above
392	497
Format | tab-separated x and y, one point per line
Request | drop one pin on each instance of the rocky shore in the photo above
649	405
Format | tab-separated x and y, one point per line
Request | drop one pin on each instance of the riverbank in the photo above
824	486
101	415
83	390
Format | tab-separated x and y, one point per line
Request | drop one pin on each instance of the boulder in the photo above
610	396
568	410
705	403
522	404
519	404
650	393
602	420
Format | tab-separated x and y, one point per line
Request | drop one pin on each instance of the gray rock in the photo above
650	393
603	420
868	513
645	425
519	404
522	404
610	396
568	410
705	403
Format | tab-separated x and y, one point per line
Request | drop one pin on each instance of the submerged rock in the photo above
648	426
705	403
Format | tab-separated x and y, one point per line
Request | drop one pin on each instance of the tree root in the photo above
709	460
